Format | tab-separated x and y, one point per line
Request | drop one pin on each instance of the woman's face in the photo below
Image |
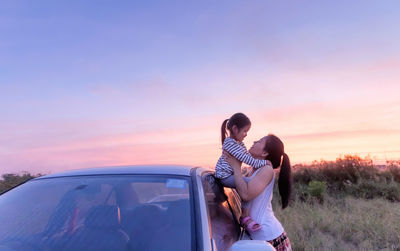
257	149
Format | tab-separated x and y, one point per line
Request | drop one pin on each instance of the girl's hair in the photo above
276	154
238	119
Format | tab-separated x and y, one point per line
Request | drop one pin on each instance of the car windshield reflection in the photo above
126	212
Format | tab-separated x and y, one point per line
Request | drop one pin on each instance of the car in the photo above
124	208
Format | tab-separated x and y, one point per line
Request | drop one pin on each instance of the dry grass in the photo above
342	224
358	210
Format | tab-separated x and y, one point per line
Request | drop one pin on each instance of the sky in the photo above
103	83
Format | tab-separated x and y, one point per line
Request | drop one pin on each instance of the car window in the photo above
224	227
114	212
235	202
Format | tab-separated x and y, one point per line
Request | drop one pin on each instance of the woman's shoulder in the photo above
265	173
264	170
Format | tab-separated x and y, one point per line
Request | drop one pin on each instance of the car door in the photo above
223	206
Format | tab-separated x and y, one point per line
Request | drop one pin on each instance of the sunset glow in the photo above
150	83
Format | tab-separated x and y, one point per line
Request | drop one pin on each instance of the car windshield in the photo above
119	212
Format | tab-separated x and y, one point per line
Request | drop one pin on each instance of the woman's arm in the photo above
250	190
233	148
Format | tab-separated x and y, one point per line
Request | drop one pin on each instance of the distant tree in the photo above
11	180
393	166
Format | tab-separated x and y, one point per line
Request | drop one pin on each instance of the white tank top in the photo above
261	212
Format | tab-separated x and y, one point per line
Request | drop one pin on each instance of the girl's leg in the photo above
245	204
228	181
245	212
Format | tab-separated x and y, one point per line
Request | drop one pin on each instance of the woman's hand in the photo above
232	161
251	189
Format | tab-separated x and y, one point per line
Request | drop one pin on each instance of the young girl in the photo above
237	126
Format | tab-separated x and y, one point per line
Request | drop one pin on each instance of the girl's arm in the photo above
249	190
233	148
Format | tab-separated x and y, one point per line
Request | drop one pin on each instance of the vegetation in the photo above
347	204
351	175
342	224
9	180
316	190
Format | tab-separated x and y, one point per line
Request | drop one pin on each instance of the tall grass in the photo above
347	204
351	175
342	224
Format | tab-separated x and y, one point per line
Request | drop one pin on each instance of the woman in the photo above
258	191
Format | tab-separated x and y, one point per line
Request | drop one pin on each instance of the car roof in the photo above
115	170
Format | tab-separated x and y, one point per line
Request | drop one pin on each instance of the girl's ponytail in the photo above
285	181
276	154
224	134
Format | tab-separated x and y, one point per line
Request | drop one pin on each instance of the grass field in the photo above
342	224
347	204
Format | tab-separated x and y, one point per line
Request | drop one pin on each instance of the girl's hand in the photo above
232	161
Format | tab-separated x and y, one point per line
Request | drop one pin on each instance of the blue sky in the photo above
74	75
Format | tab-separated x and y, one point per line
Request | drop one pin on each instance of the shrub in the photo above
299	192
351	168
9	180
305	174
368	189
317	190
393	168
350	175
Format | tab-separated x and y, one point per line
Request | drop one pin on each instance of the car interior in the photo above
160	225
107	215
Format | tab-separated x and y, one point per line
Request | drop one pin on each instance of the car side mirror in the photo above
252	245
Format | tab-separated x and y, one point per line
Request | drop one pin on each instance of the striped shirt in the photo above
239	151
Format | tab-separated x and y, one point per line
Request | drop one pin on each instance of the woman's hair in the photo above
276	152
238	119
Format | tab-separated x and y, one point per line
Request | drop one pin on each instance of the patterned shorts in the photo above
281	243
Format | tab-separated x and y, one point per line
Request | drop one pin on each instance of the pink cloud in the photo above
193	146
196	146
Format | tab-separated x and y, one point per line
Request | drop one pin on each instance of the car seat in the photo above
177	234
142	223
101	231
